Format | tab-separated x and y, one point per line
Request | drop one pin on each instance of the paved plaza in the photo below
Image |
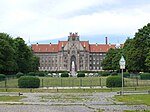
68	102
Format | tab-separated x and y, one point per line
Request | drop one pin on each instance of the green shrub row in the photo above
104	73
41	74
28	82
80	74
145	76
114	81
19	74
2	77
58	72
64	74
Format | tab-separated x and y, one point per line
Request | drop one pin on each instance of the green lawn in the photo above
11	98
73	82
134	99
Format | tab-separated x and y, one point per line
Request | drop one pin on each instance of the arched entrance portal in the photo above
73	63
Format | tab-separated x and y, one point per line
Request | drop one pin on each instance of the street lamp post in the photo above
122	66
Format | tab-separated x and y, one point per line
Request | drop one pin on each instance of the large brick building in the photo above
86	56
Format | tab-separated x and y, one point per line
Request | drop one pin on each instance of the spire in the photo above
28	43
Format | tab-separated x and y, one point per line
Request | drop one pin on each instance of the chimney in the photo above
106	40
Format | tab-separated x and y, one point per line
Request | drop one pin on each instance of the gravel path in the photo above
68	102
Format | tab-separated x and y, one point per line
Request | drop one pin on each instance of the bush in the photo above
41	74
126	74
31	74
145	76
114	81
81	74
2	77
64	74
104	73
28	82
19	74
114	74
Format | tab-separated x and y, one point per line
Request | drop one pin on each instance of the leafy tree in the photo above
136	50
147	61
7	51
16	56
23	55
35	63
111	61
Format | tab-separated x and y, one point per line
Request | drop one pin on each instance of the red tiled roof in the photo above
86	44
101	47
121	45
45	47
60	45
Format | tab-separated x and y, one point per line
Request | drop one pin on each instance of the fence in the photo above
75	82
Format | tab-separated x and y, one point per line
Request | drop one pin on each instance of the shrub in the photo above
126	74
64	74
19	74
81	74
31	74
41	74
2	77
114	81
28	82
104	73
145	76
114	73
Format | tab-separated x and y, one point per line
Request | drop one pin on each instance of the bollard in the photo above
20	94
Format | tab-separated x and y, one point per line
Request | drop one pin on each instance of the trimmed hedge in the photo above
126	74
104	73
80	74
145	76
28	82
114	81
65	74
41	74
58	71
2	77
19	74
114	74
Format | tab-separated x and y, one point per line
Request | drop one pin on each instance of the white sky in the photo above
51	19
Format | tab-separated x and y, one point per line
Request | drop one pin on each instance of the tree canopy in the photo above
136	51
15	55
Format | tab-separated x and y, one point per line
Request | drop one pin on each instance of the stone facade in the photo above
57	57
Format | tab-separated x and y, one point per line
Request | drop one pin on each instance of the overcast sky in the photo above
54	19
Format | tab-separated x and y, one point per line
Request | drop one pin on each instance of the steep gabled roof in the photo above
45	47
101	47
60	44
85	44
58	47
